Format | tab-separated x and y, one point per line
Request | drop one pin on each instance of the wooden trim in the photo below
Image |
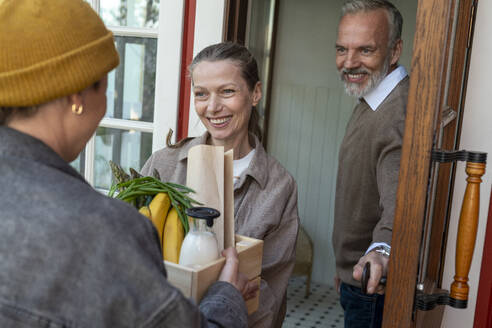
235	29
236	21
227	10
483	315
436	249
186	58
450	140
455	99
426	81
268	91
469	26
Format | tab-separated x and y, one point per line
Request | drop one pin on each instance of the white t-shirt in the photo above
240	165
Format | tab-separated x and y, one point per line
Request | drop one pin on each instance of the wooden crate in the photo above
194	283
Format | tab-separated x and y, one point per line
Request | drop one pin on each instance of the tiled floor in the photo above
320	310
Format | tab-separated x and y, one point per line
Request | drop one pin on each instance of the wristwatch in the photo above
383	249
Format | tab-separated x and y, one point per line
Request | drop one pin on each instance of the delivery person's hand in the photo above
230	273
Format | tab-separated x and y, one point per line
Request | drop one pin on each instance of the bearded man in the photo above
368	47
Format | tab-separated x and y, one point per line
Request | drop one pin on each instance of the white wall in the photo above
476	135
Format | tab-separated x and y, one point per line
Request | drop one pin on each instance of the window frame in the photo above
168	66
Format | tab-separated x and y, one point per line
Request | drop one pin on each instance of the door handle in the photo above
366	275
467	231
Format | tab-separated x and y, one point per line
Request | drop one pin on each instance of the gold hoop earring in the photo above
77	110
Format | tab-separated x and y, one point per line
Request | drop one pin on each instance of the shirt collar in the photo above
183	151
379	93
257	168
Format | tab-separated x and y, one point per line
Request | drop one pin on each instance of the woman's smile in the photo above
219	122
223	100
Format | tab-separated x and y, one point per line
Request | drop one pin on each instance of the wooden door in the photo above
438	79
235	24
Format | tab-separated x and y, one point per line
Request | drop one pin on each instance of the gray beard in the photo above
354	89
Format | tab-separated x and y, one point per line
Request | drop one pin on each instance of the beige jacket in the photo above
265	206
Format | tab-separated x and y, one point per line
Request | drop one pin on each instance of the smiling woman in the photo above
224	102
227	88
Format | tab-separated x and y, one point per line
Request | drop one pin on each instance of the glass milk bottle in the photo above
200	245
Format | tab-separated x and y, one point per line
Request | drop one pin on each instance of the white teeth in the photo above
219	120
355	76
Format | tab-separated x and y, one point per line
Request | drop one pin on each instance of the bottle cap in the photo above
204	213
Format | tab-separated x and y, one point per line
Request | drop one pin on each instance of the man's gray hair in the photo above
395	20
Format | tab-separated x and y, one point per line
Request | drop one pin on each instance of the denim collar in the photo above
16	144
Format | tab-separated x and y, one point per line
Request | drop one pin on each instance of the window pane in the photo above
79	163
131	13
126	148
131	87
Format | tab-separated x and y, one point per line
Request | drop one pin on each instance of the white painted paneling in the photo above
476	135
167	70
310	110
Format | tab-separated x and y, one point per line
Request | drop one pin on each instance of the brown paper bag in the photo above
209	173
229	231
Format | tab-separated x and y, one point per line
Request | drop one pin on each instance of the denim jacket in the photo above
72	257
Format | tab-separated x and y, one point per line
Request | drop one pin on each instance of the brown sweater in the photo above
265	207
368	168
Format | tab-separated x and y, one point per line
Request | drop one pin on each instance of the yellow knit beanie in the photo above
50	49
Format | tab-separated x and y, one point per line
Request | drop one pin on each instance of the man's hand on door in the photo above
379	268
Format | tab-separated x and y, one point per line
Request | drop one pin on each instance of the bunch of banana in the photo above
166	221
164	203
157	211
173	237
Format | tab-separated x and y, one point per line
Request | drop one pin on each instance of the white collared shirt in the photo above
379	93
